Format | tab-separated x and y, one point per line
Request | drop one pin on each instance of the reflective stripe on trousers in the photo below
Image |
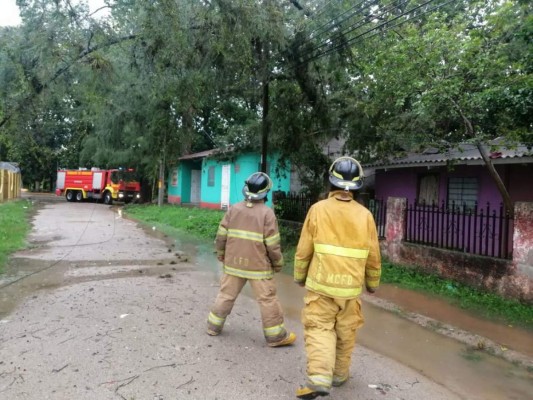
329	332
265	295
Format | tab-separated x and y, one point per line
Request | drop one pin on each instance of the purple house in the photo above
458	176
443	213
451	200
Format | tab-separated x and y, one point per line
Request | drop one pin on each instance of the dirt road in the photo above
98	309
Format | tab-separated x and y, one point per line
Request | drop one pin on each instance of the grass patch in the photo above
201	223
484	303
14	226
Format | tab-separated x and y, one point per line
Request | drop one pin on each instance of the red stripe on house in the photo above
214	206
174	199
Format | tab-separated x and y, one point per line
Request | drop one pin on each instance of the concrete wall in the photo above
179	182
10	185
509	278
242	166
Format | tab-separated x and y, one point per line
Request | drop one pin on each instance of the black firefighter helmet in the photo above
257	186
346	173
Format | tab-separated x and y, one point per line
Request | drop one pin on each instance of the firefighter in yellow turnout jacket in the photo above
337	256
248	243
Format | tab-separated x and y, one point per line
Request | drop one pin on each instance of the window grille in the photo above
463	193
211	176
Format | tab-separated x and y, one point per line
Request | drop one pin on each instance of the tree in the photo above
161	78
456	78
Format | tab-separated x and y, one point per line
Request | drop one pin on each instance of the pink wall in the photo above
509	278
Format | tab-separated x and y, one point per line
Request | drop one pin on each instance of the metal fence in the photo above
294	207
461	227
378	208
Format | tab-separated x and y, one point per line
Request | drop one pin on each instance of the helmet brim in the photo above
346	185
253	196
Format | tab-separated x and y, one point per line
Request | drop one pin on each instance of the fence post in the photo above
523	239
395	226
2	185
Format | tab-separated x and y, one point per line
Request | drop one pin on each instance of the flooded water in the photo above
511	337
470	373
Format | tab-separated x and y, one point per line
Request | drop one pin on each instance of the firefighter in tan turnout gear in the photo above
337	255
248	243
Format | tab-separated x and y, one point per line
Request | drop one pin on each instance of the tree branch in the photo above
61	71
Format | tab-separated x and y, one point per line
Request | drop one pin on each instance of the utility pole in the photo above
161	183
265	127
161	178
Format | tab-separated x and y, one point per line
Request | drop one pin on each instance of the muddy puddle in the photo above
470	373
509	336
24	277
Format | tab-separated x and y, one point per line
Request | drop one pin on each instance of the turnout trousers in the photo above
330	327
265	295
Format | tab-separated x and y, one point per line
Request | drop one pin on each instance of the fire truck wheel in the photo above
79	196
107	198
69	196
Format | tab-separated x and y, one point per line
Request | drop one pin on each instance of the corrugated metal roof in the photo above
201	154
462	154
13	167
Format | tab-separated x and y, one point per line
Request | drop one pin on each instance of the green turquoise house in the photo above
210	180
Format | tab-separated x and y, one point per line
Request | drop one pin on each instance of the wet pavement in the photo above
460	365
104	265
507	336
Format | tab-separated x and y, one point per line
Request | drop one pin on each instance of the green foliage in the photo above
14	226
453	79
157	79
200	223
487	304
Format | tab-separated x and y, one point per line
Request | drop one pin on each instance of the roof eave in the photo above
495	161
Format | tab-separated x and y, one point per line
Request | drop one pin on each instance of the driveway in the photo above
99	309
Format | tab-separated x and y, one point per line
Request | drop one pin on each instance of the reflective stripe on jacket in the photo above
338	251
248	238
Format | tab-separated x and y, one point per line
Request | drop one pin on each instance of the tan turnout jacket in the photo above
248	239
338	252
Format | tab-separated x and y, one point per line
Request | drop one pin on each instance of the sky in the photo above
9	12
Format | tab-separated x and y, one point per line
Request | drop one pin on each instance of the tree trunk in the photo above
507	202
161	183
497	179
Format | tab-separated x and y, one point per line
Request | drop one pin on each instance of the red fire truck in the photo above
107	185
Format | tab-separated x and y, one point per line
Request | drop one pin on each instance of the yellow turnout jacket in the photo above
338	251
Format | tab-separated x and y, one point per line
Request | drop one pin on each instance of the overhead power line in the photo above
319	11
365	20
380	28
336	21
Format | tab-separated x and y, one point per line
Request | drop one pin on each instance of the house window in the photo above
428	189
463	192
211	176
174	179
